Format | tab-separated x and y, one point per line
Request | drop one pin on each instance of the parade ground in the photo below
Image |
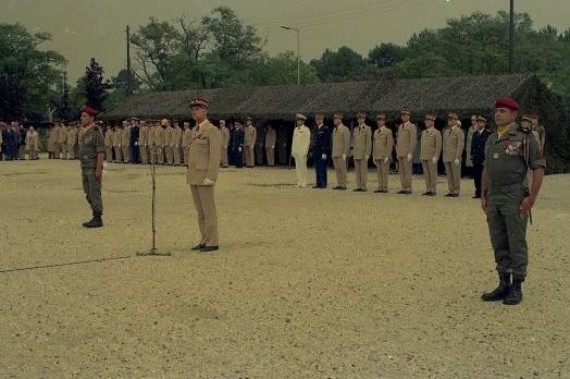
307	284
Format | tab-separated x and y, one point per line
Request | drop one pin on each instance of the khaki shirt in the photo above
92	144
505	160
31	140
407	139
361	142
166	136
117	138
270	138
60	134
250	136
340	141
204	154
383	143
431	144
176	137
453	143
158	136
72	136
143	136
109	138
186	137
125	137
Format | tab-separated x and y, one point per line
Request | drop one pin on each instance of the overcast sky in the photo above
82	29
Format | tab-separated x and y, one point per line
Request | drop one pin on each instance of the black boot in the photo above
501	292
515	295
95	222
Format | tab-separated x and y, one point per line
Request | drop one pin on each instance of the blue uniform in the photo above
477	152
238	142
321	145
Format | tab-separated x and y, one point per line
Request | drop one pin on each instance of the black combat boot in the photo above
501	292
515	295
95	222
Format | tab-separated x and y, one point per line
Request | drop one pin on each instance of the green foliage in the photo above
95	87
341	66
28	82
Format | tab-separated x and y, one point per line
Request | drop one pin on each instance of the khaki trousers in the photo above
126	154
71	151
249	156
108	153
405	171
203	197
270	154
224	158
340	170
301	170
185	148
144	154
430	175
382	171
169	154
453	173
361	168
159	155
118	154
64	150
32	153
177	153
57	150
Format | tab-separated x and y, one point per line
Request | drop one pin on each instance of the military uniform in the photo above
59	141
186	137
175	141
203	164
382	152
405	145
109	144
453	144
71	142
126	143
430	145
31	144
478	156
270	140
361	150
300	150
249	144
117	145
320	152
340	151
167	144
143	142
225	143
92	145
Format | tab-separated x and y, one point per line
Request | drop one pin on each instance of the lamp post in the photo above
298	50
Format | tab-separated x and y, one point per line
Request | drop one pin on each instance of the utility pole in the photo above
129	73
512	38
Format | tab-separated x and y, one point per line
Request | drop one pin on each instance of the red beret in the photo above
88	110
199	102
507	102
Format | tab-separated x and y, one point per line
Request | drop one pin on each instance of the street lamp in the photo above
298	50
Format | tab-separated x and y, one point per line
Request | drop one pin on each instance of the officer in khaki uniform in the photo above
249	143
59	140
203	164
175	142
361	149
159	140
382	152
117	133
186	137
91	155
167	143
126	142
453	144
430	145
506	199
225	142
108	143
406	142
340	150
143	141
63	141
31	143
270	140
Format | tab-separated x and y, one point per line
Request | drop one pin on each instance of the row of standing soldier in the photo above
16	141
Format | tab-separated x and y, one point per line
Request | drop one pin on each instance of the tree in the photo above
96	88
28	81
341	66
282	69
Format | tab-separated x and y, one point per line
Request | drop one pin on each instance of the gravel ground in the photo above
307	284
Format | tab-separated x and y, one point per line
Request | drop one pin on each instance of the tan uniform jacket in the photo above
117	137
204	154
225	137
430	144
176	137
151	136
361	142
453	143
158	136
61	135
31	140
407	139
340	141
383	143
166	136
52	138
125	137
270	138
186	137
143	136
250	136
108	138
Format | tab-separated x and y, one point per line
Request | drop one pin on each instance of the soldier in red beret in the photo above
506	199
91	156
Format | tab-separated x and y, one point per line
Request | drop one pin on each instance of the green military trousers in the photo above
508	233
92	189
